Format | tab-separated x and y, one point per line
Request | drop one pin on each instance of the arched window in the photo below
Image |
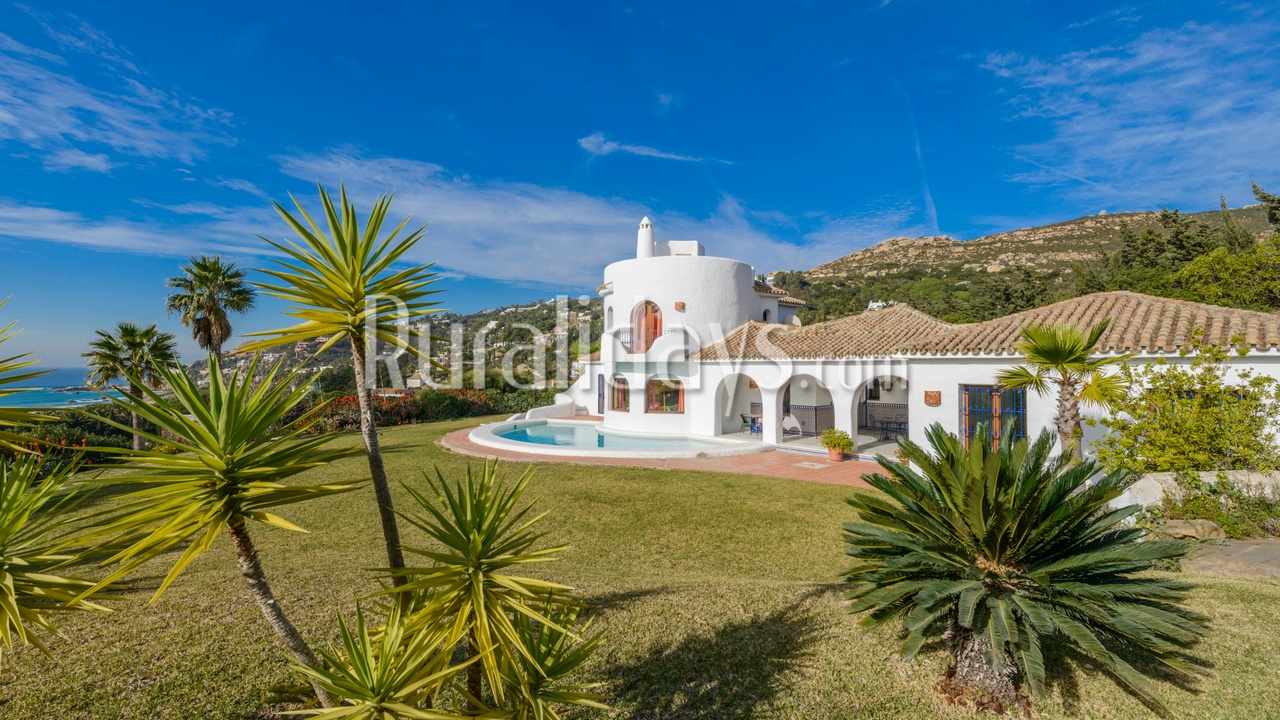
646	326
608	319
619	395
664	395
766	316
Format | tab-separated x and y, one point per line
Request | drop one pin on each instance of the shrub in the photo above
836	440
1239	513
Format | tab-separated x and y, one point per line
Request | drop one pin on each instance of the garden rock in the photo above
1194	530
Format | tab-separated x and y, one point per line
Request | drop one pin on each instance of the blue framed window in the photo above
1002	411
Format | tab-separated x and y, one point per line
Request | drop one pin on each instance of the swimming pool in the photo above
586	439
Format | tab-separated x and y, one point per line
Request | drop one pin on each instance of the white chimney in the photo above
644	239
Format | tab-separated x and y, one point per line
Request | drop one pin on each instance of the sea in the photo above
58	388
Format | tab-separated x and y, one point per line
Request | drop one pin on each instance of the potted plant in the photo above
837	443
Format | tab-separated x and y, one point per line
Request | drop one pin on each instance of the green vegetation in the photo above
716	594
1062	356
220	463
1204	257
998	550
833	439
1194	415
34	585
135	354
340	285
207	290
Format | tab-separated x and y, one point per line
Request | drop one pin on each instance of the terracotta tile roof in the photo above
1138	323
783	297
871	334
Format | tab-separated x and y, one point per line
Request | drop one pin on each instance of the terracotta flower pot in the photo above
836	454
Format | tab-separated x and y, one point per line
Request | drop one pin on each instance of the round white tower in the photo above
644	239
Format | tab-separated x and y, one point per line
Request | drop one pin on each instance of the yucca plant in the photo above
13	370
35	500
340	284
482	535
221	463
388	673
539	678
1061	357
997	549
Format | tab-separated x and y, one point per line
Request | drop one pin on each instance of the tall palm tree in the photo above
340	285
207	290
221	462
1061	356
138	355
997	549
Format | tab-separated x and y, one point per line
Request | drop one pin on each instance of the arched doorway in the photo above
805	410
739	408
646	326
880	413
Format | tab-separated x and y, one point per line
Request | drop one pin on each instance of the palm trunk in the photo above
251	568
1068	419
135	420
974	676
378	473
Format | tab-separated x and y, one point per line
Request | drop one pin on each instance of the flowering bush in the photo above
343	412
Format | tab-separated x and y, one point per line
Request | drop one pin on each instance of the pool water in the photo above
586	436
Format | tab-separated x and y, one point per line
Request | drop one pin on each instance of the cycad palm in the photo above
340	285
997	549
207	290
1062	356
138	355
220	464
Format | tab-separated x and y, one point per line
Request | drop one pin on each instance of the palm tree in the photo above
136	354
15	369
1061	355
35	497
207	290
341	286
220	464
996	550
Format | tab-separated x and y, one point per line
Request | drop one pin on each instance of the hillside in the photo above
1043	249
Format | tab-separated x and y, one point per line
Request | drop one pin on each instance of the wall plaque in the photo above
679	307
933	398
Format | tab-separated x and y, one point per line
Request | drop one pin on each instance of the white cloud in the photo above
528	233
45	106
241	185
1174	116
597	144
75	159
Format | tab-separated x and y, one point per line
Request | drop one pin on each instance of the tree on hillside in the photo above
1271	201
1234	237
138	355
1061	356
207	290
1249	279
1186	239
341	285
1005	293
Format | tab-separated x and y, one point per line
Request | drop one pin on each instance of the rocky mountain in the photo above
1046	248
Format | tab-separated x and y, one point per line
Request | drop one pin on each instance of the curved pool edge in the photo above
486	436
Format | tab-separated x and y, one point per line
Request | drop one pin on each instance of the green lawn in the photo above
716	592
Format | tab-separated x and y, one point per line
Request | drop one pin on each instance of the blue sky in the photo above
533	136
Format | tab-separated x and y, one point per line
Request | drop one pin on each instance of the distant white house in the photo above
694	346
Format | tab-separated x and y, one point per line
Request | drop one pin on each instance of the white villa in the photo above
695	346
